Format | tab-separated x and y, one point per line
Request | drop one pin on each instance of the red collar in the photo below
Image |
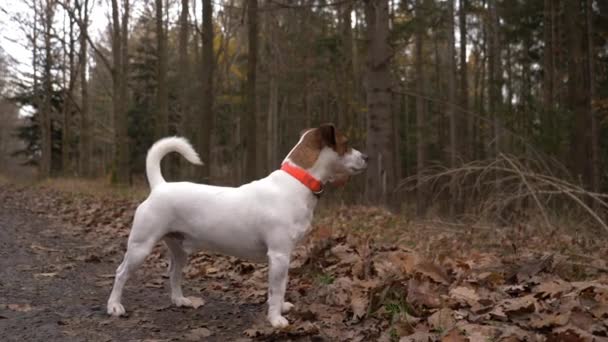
304	177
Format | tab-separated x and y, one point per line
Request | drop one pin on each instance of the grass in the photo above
96	187
325	279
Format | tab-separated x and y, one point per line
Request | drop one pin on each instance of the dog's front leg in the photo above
277	282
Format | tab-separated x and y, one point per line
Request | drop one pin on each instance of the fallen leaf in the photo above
533	267
552	288
465	295
197	334
433	271
454	335
196	302
519	306
423	293
543	321
19	307
442	319
45	275
419	337
358	305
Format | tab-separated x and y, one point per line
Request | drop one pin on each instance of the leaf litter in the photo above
364	274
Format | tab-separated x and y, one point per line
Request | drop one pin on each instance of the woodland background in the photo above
465	106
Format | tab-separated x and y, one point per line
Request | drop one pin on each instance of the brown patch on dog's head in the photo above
312	141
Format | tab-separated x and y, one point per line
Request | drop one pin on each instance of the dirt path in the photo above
53	288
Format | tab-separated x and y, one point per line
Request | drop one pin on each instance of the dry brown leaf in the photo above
552	288
20	307
570	334
45	275
358	304
513	333
478	332
197	334
419	337
345	254
465	295
433	271
533	267
519	306
442	319
197	302
454	335
543	321
423	293
600	311
405	261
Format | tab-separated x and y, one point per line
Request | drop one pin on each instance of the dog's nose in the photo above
365	157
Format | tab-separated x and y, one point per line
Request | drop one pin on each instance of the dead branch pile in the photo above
509	188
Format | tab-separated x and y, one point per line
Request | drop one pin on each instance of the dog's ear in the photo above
328	134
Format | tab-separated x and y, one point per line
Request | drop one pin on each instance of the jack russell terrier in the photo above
260	221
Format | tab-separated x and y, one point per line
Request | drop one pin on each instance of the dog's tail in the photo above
160	149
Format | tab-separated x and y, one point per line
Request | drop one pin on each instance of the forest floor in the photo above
362	275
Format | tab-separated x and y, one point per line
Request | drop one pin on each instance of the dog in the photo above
261	221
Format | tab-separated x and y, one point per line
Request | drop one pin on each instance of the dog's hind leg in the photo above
138	248
177	262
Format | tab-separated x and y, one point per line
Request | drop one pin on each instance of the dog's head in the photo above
325	152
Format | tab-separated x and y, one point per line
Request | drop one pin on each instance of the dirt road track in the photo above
52	290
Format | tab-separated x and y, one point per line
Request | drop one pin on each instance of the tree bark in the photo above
85	120
548	54
495	75
346	71
577	101
184	68
380	177
467	145
162	94
421	129
69	76
454	150
208	68
251	112
594	134
47	107
121	152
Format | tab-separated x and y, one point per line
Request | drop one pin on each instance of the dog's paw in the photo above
116	309
278	322
189	302
286	307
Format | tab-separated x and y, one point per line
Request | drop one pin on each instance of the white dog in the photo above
259	221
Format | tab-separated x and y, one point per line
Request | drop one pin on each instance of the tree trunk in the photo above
47	107
35	57
421	129
594	134
548	53
251	112
454	151
121	152
184	68
69	75
208	68
346	71
162	95
85	120
495	75
380	177
184	126
577	102
464	82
